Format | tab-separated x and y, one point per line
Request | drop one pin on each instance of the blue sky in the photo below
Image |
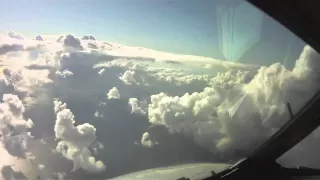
151	23
181	26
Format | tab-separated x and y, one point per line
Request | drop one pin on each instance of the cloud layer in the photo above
128	107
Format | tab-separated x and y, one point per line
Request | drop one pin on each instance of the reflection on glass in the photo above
99	90
239	27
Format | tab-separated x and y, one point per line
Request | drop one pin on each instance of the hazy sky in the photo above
181	26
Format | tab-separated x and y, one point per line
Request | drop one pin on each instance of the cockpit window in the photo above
96	90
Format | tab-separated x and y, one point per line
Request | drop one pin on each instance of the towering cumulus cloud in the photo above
75	140
245	115
13	127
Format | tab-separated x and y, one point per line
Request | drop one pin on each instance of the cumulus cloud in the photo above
232	78
15	35
113	93
39	38
69	41
145	140
75	140
239	118
65	73
13	127
88	37
31	85
128	77
41	166
135	106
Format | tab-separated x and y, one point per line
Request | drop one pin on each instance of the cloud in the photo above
101	71
60	175
92	45
135	106
128	77
145	140
239	118
69	41
15	35
75	140
5	48
41	166
230	79
64	73
113	93
97	146
173	62
13	127
39	38
88	37
31	85
45	75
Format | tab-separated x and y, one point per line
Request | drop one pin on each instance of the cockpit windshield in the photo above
99	89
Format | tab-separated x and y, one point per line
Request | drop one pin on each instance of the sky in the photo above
185	27
142	22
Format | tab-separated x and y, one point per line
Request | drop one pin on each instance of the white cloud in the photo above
128	77
240	118
145	140
135	106
64	73
69	41
15	35
75	140
13	127
113	93
92	45
232	78
31	85
41	166
101	71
